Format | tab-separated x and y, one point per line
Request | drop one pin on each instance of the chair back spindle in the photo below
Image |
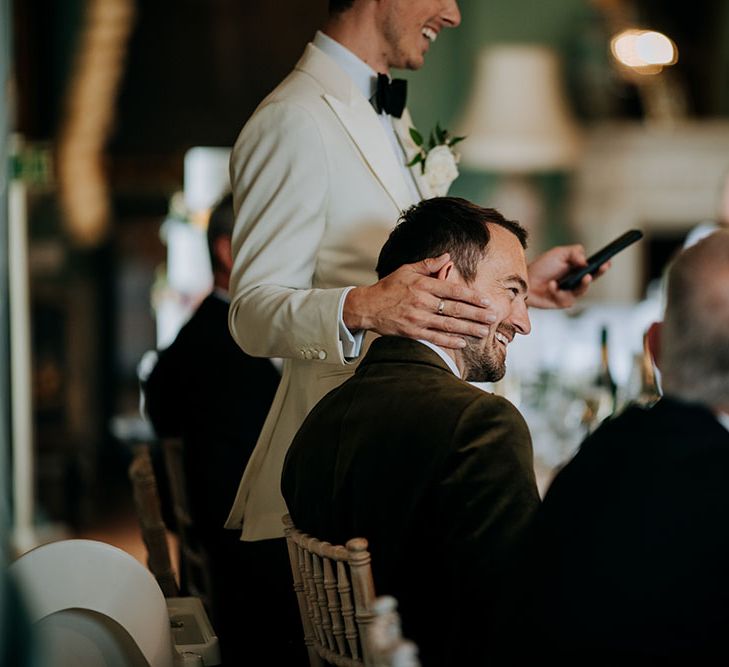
195	561
149	514
335	592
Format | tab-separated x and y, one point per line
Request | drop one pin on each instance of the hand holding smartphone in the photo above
573	279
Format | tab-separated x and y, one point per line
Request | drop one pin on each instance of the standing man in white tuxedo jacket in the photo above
319	179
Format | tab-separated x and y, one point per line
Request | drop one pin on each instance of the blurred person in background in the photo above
207	391
632	541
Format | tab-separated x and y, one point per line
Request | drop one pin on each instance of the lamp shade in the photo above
206	176
517	119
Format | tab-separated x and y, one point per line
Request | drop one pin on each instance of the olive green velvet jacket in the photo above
437	475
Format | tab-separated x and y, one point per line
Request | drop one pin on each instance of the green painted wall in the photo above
439	91
440	88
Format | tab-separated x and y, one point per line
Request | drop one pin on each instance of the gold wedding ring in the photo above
441	307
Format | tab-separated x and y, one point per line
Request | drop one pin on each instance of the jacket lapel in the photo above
402	129
360	121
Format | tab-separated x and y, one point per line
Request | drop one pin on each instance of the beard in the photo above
483	363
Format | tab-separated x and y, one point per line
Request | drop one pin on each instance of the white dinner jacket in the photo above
317	189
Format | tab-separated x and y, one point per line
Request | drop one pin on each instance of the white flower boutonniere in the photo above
439	162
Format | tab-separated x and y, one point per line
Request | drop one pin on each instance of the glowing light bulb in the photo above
624	48
654	48
645	51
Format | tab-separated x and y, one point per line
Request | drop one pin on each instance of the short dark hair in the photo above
339	6
221	223
444	224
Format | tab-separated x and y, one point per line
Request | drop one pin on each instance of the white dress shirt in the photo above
443	355
365	78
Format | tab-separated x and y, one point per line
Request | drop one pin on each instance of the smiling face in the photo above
408	27
502	278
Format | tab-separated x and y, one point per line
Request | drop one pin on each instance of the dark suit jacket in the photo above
632	543
436	474
205	389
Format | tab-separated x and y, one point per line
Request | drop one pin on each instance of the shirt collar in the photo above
443	355
363	76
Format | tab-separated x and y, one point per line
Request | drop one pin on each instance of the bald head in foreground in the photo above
632	540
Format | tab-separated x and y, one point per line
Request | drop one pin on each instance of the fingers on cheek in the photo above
449	341
447	324
456	310
457	294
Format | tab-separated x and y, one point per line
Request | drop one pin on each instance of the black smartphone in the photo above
594	262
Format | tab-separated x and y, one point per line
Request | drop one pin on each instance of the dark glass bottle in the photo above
601	395
649	390
604	380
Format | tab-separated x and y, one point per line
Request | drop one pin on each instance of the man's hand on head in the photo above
411	303
548	268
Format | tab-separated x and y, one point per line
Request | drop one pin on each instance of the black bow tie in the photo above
390	95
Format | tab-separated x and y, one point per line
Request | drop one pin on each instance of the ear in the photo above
654	342
224	252
448	272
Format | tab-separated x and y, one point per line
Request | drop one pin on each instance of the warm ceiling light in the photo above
645	51
624	48
655	48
